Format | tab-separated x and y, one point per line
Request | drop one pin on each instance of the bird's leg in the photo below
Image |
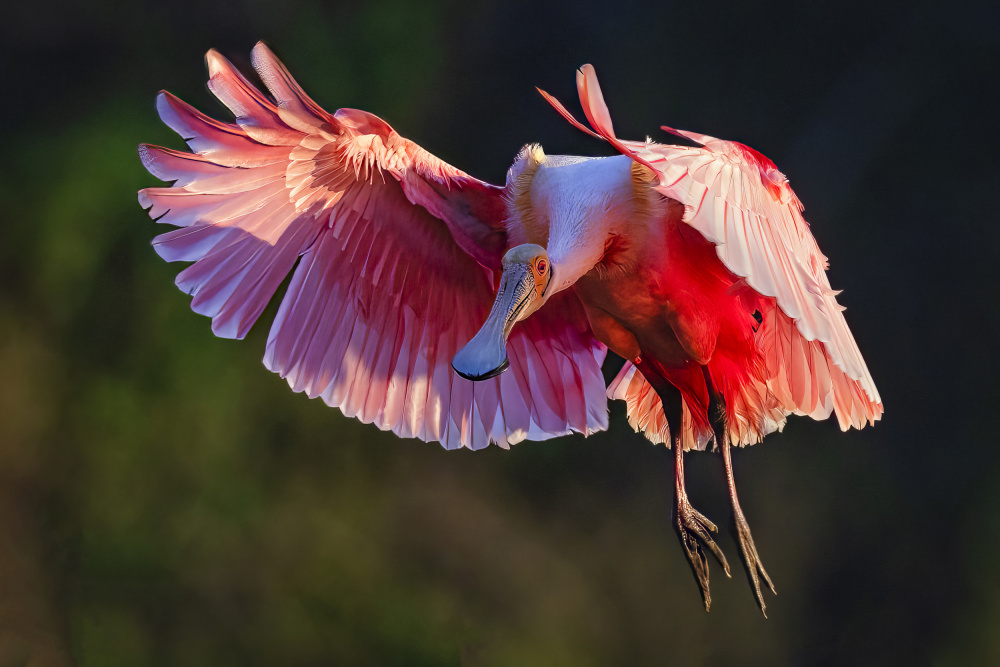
747	547
692	526
717	417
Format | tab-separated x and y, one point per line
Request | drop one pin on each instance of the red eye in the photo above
541	266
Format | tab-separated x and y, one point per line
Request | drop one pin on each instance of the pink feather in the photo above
396	255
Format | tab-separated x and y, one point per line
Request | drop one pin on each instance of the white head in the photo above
570	204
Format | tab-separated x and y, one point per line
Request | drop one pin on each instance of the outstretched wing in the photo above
738	199
396	253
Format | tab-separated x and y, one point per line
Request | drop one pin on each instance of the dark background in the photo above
166	501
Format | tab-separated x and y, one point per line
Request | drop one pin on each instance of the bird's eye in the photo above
541	266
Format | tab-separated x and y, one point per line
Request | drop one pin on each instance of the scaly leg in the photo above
717	417
747	547
692	526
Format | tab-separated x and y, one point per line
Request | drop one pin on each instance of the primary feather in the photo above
396	253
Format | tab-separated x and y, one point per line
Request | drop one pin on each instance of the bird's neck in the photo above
584	203
572	261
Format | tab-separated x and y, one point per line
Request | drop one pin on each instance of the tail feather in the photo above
645	411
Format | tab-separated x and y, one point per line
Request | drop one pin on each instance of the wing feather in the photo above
736	198
392	254
772	248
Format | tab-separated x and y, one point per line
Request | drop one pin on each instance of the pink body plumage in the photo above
398	254
693	263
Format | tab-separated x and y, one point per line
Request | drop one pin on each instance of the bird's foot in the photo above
693	526
755	569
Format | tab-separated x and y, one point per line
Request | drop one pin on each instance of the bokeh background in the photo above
166	501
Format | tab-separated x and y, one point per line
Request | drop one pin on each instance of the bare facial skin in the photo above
526	274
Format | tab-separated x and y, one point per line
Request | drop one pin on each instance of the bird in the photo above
441	307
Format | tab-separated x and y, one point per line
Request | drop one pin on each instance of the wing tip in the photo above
215	62
262	56
164	104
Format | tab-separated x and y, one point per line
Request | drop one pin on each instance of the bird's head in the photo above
526	275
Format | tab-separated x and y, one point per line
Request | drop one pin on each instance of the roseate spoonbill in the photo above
692	263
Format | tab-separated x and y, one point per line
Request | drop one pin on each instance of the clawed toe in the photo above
694	530
755	569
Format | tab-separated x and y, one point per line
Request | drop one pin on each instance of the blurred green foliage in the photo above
166	501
